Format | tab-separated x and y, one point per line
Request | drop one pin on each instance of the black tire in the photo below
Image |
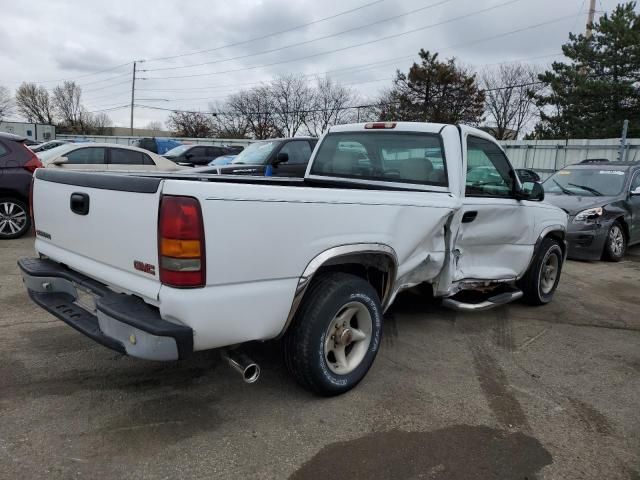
13	205
615	246
304	342
533	282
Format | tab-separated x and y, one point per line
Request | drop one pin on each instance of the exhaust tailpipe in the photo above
242	364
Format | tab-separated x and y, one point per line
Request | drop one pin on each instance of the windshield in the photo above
177	151
592	182
382	156
255	154
59	151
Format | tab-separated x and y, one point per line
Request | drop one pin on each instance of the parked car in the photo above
47	145
191	266
223	160
278	157
103	156
602	199
198	155
156	144
17	164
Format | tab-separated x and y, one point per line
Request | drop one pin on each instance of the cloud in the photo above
77	38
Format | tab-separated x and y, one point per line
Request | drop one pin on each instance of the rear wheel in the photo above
336	334
541	280
14	218
616	243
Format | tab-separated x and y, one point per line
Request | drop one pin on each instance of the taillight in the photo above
181	242
33	163
376	125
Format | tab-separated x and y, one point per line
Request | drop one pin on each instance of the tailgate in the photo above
102	225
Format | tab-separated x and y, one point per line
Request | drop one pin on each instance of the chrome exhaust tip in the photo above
242	364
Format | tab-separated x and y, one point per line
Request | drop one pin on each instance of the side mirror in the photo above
60	161
531	191
282	157
188	155
636	191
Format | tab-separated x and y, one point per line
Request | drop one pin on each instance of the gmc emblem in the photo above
144	267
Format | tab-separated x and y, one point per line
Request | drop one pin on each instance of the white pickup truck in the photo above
159	265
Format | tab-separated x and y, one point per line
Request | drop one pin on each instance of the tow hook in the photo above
242	364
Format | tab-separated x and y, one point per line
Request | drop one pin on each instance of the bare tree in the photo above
155	125
291	99
6	102
190	124
67	99
328	106
509	103
34	103
256	108
98	124
227	124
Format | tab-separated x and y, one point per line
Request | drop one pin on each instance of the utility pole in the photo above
592	13
622	149
133	95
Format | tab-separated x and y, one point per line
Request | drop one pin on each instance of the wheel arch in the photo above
10	193
556	232
375	262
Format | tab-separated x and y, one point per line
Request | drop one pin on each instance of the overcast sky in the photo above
45	41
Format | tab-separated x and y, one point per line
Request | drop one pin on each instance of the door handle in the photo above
469	216
79	203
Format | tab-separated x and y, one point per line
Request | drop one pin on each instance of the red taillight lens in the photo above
33	163
376	125
181	242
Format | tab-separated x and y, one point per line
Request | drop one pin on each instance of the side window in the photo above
198	151
298	151
489	173
213	152
86	156
3	150
120	156
635	183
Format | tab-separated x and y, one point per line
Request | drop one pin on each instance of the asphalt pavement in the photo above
517	392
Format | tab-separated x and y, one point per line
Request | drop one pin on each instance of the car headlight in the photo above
589	215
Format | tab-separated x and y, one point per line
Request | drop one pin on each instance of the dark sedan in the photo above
602	200
278	157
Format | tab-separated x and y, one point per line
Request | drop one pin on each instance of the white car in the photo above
104	156
160	265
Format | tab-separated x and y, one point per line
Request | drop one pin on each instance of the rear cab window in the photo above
390	157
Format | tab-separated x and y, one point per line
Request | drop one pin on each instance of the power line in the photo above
297	44
120	107
105	87
106	79
381	39
297	27
81	76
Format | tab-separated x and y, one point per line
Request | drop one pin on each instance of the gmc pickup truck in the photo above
159	265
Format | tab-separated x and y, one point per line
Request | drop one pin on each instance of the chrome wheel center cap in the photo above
344	336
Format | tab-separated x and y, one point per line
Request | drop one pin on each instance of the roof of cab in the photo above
399	127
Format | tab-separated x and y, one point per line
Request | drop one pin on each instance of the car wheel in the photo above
541	280
335	335
616	243
14	218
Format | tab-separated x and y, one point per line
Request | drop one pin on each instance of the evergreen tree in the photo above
593	94
433	91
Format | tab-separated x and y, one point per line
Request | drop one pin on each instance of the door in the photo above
299	152
129	160
197	156
86	158
634	204
494	240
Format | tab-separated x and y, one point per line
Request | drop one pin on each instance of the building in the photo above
38	132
